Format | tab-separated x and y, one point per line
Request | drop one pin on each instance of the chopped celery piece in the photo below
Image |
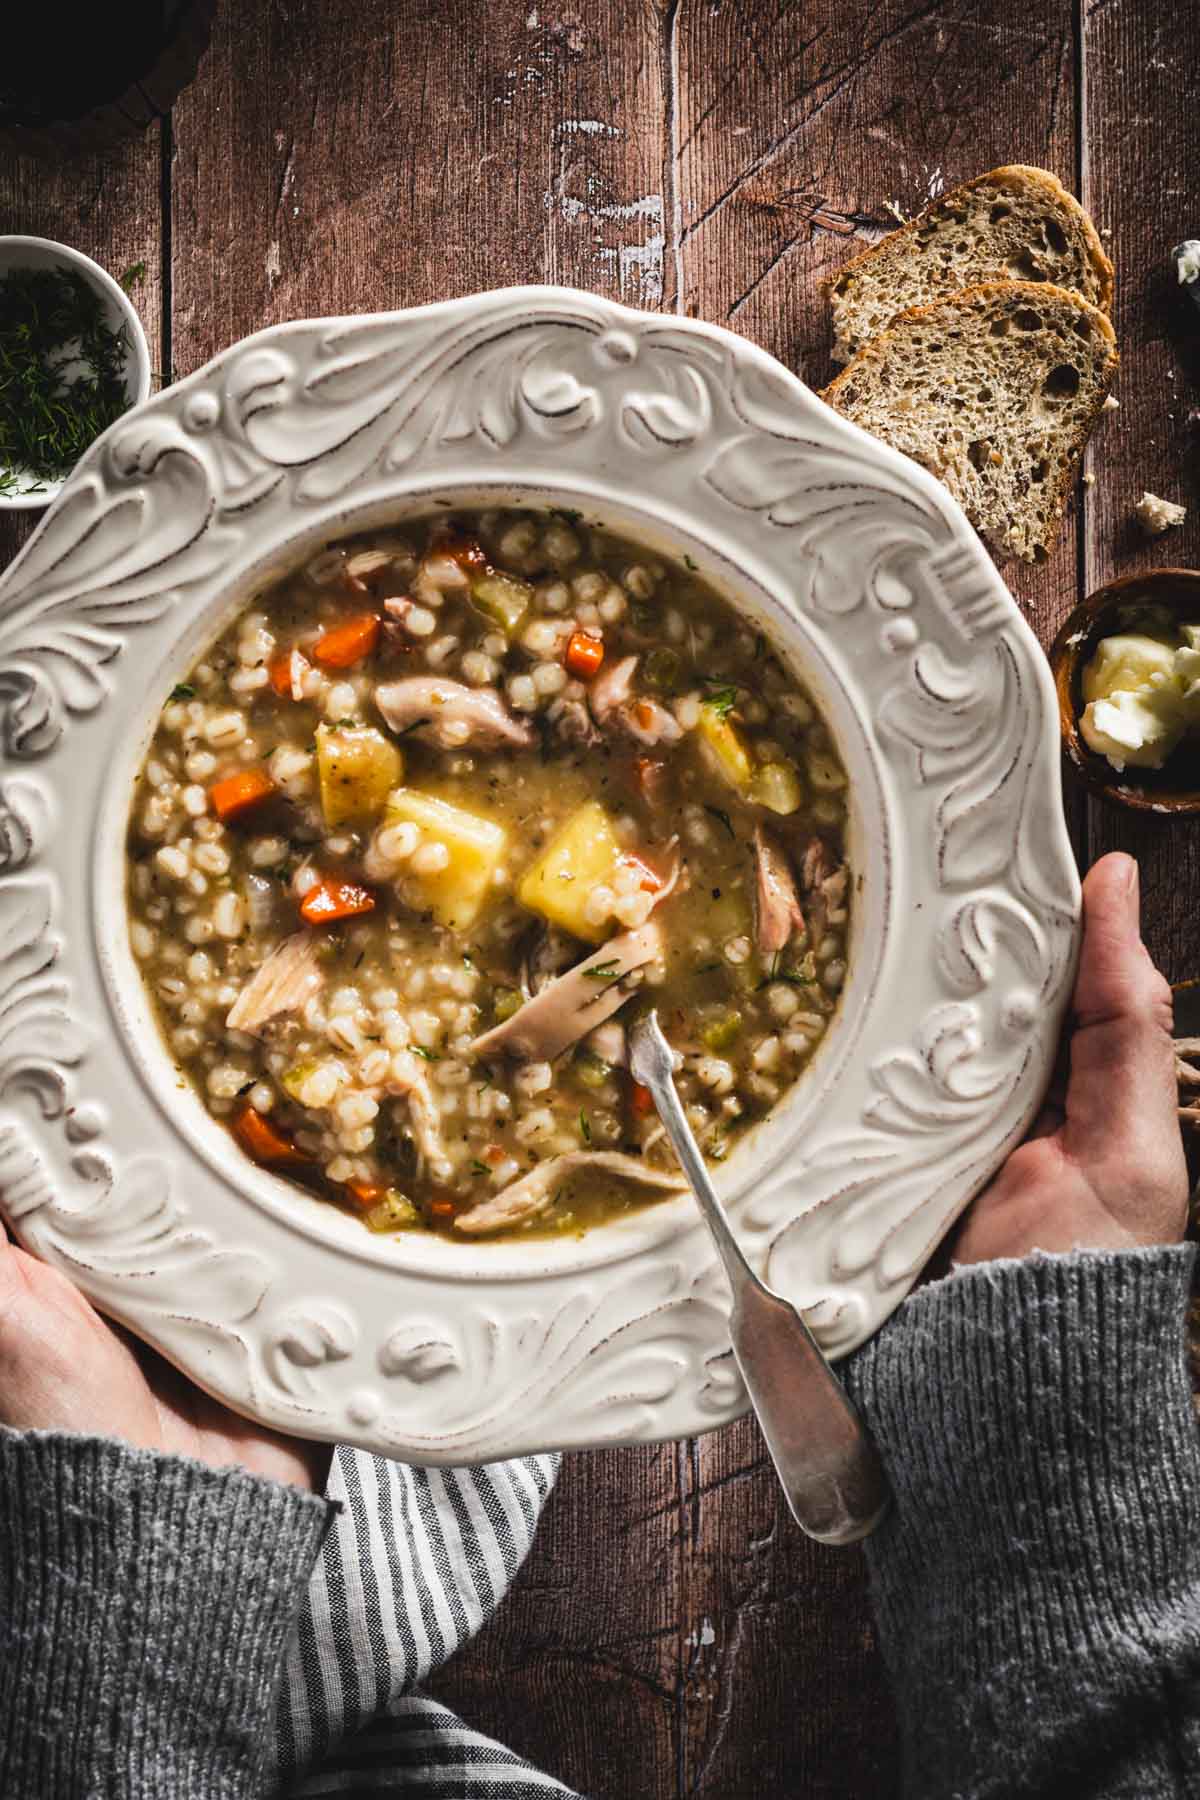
504	599
662	670
507	1001
293	1079
721	1029
392	1213
591	1069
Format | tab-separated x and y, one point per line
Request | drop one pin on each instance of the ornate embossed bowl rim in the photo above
856	563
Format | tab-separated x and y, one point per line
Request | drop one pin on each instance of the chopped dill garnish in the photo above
721	699
479	1168
424	1054
183	690
602	971
718	813
585	1128
62	374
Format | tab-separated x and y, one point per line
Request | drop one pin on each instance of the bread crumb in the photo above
1187	260
1088	479
1111	404
1156	516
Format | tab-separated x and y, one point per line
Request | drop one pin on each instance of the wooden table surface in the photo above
672	1634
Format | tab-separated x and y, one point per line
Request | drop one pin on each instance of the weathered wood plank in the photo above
803	131
1142	65
578	1670
108	206
387	158
799	132
395	157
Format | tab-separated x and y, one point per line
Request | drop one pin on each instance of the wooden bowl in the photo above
1175	788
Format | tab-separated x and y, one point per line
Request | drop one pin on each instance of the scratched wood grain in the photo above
671	1634
1142	181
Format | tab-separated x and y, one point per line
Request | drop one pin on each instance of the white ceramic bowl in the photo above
43	253
861	569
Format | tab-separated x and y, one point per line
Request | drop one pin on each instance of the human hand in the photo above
64	1368
1107	1172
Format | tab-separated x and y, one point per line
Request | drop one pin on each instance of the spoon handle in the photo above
827	1465
829	1468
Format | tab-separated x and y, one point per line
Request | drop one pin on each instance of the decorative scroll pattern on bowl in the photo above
969	903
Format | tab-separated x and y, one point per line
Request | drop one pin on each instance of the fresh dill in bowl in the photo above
62	374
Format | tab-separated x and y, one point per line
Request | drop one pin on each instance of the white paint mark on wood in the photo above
273	263
586	128
638	264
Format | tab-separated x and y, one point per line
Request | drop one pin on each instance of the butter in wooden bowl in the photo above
1127	669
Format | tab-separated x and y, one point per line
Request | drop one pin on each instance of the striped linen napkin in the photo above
415	1563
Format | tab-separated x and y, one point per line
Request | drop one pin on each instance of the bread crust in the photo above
1000	295
1011	178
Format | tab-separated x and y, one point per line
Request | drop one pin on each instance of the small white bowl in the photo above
43	253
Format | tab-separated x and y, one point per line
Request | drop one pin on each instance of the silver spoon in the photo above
829	1468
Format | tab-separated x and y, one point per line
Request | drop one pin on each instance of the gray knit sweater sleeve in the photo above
144	1605
1038	1583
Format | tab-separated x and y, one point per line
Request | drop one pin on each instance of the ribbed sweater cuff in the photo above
144	1604
1036	1421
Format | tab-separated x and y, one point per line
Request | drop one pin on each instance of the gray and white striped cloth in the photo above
415	1563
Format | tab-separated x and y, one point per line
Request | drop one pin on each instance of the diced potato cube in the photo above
582	854
357	768
502	598
454	894
777	786
728	751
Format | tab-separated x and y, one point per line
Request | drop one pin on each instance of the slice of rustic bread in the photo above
1016	224
995	390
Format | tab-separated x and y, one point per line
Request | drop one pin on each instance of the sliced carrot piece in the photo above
348	643
366	1194
285	673
442	1208
641	1101
335	899
584	654
651	880
235	794
466	551
264	1142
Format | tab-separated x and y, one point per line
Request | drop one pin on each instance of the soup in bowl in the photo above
432	819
